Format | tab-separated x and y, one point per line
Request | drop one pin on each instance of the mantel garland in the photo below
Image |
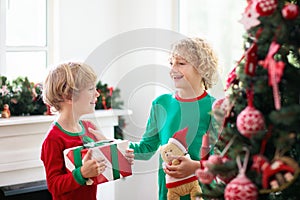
25	98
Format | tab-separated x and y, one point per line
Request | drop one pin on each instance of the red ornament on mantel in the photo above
290	11
6	112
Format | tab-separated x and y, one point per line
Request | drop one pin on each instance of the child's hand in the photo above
185	168
92	167
99	136
129	155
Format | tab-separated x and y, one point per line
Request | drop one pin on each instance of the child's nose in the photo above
173	65
97	94
174	68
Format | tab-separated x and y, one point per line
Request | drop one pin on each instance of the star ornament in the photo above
250	18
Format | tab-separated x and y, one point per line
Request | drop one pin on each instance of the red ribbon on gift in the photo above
275	71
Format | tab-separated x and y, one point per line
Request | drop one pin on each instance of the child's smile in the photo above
176	77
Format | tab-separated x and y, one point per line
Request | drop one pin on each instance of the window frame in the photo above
48	48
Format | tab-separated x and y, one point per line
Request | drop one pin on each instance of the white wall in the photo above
84	25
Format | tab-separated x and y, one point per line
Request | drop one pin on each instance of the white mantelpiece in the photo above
20	144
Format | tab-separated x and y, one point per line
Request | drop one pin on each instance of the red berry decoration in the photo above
250	121
290	11
266	7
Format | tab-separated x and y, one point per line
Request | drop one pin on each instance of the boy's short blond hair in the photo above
65	81
198	53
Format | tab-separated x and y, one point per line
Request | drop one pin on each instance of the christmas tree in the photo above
257	155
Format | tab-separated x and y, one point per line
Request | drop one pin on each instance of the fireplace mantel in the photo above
21	139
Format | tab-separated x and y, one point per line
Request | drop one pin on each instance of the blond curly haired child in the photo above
193	70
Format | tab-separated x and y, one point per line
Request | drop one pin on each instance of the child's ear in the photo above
68	98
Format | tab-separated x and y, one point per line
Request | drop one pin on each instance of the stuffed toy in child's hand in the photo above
175	147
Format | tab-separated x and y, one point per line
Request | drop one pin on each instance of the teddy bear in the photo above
176	146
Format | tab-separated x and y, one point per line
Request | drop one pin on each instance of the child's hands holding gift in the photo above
92	167
129	154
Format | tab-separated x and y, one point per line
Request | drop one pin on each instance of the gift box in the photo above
113	151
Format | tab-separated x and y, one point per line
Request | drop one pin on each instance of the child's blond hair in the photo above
198	52
65	81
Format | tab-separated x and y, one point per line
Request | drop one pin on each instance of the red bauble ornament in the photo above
217	104
290	11
220	108
225	106
205	176
216	107
241	188
266	7
222	105
250	121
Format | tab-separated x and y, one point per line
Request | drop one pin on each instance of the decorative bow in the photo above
275	71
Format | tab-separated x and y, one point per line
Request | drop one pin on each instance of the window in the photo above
24	49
